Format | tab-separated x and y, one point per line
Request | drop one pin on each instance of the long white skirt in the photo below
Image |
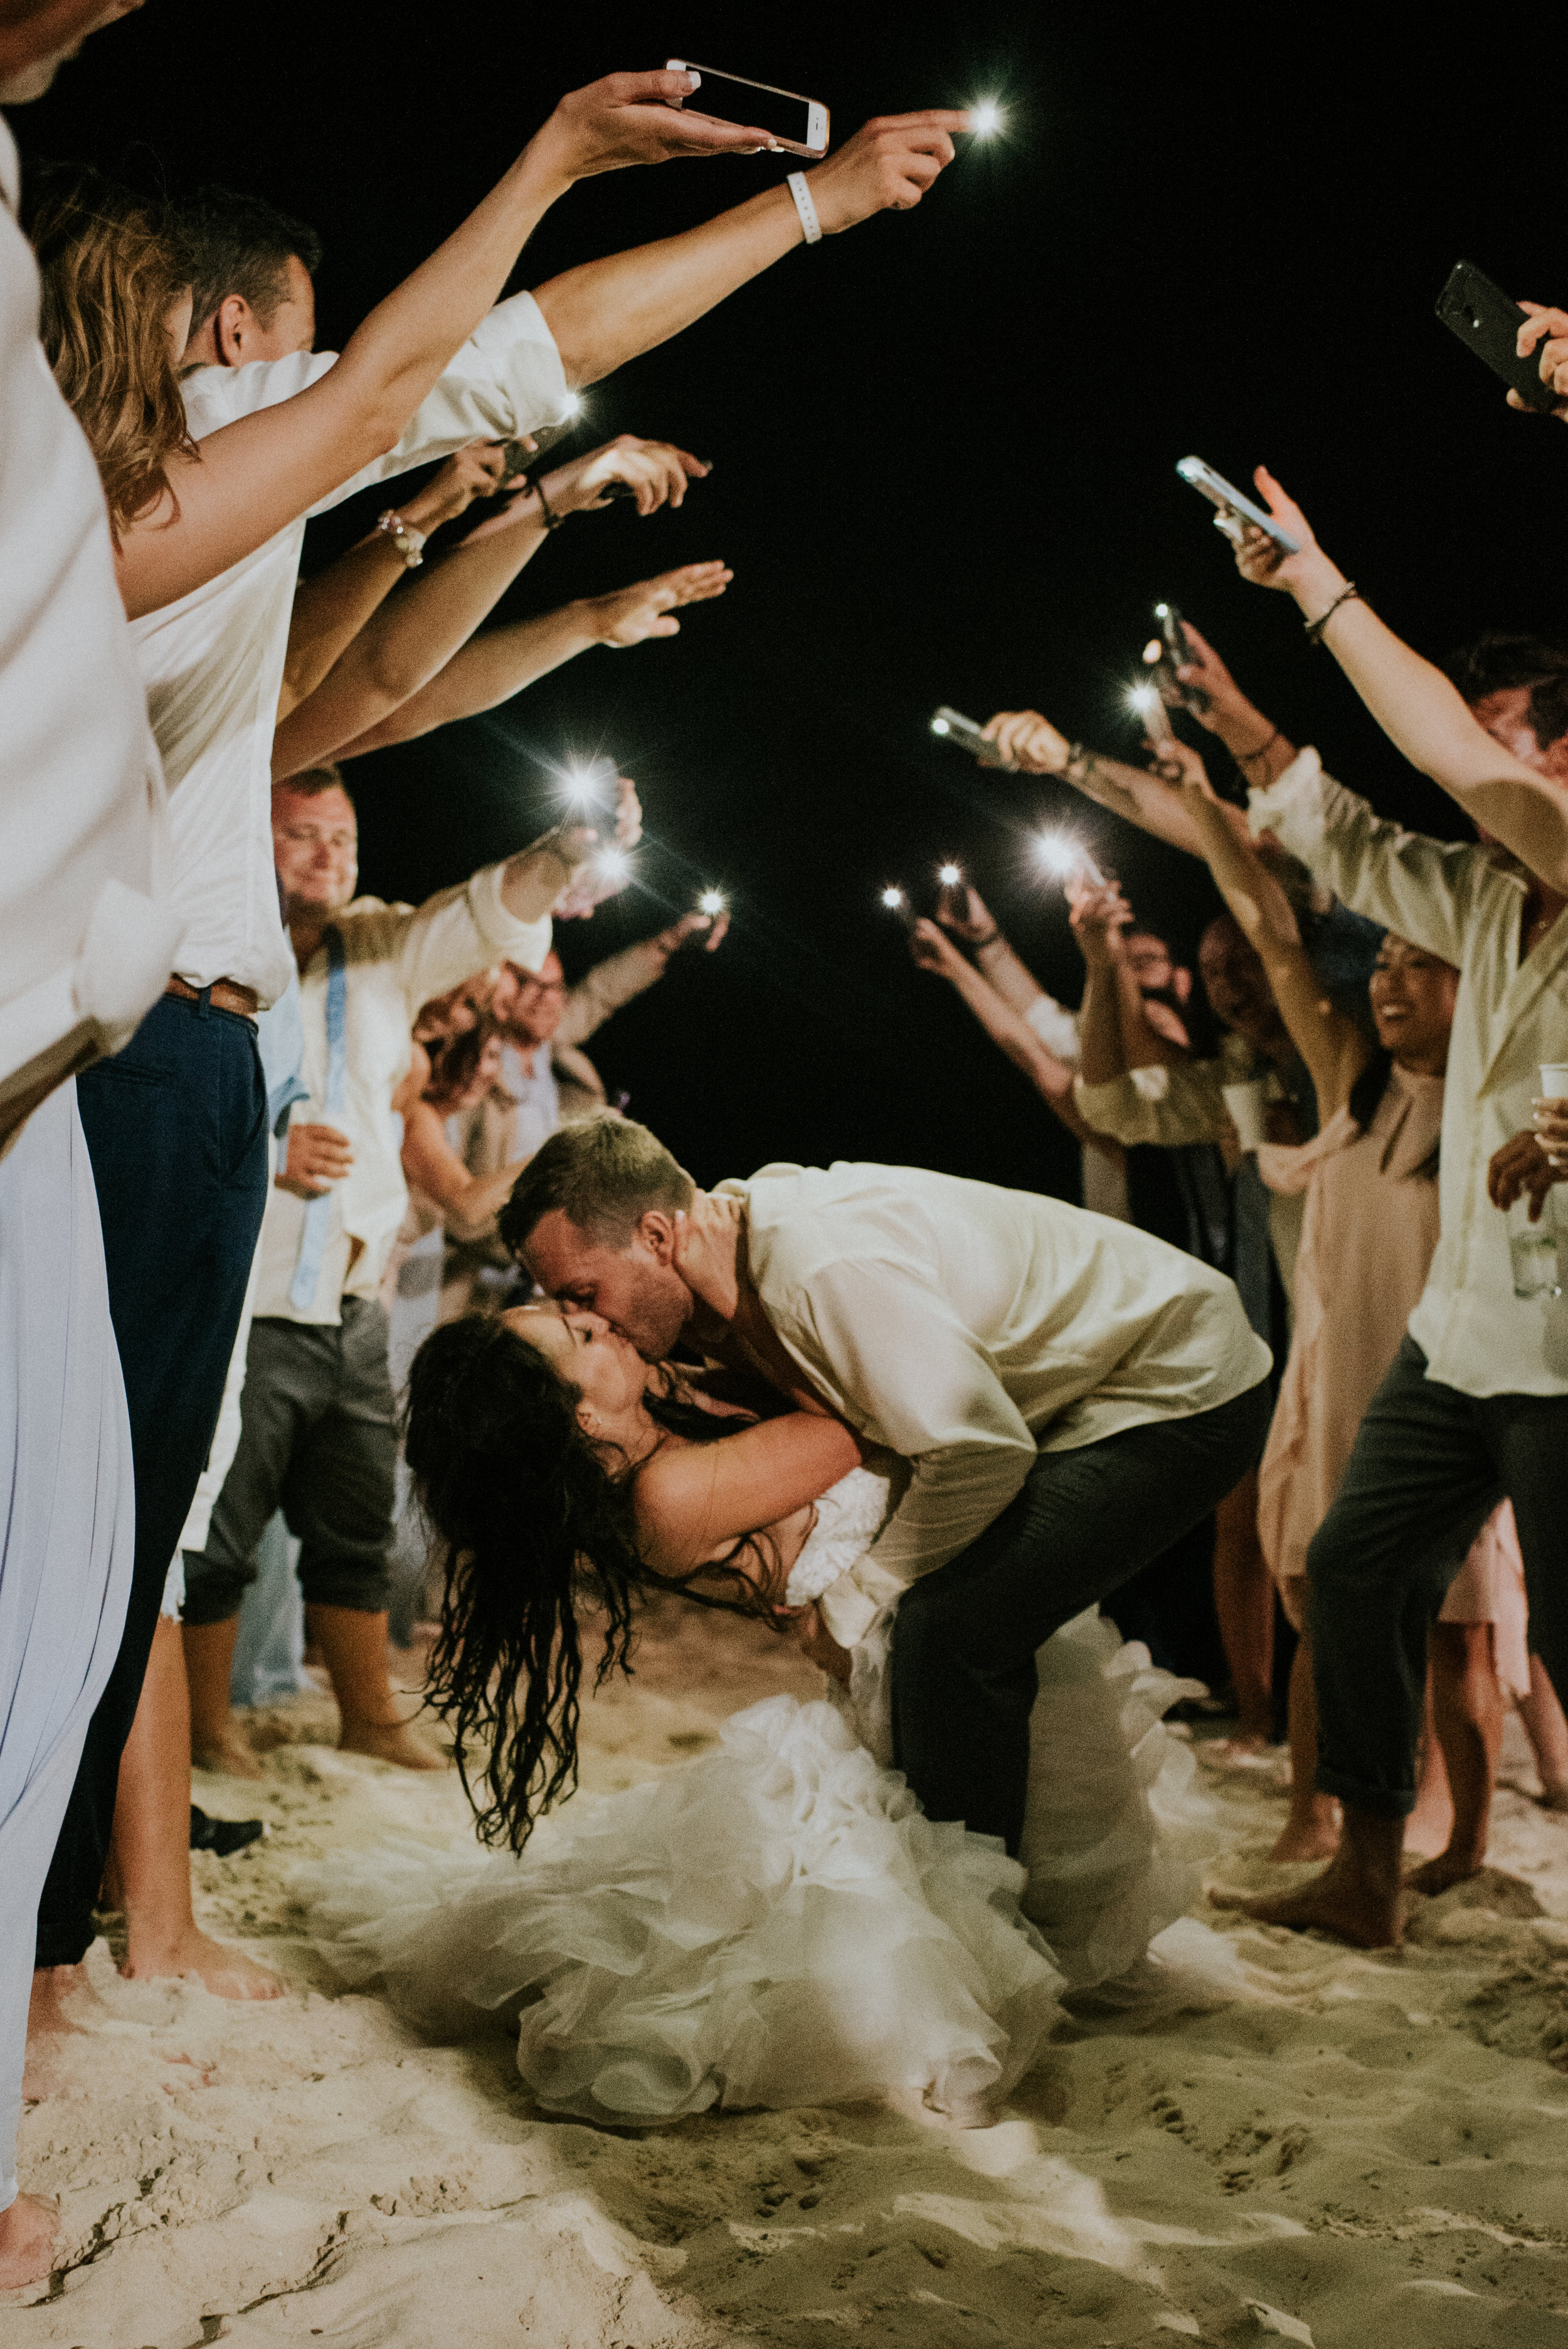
779	1923
67	1528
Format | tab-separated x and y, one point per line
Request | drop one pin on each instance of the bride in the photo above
777	1922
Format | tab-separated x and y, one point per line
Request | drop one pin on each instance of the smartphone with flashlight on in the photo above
965	735
798	125
1233	507
1487	321
1163	655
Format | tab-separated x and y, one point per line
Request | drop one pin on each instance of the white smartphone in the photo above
798	125
1230	502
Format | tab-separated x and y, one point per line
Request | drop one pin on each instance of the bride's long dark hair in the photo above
530	1523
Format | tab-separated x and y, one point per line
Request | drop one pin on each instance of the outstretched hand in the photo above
1098	915
634	118
630	615
976	923
890	163
473	472
1180	768
693	925
655	472
1260	558
931	951
1026	742
600	875
1545	333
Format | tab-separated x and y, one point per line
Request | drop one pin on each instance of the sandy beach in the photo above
1278	2139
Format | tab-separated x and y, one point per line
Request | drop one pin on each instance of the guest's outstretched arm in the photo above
412	637
333	605
1033	745
606	312
253	477
1421	713
1051	1077
493	666
1333	1048
468	1202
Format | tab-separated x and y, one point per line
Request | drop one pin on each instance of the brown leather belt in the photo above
244	1002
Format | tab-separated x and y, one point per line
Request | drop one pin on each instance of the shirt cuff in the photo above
1292	806
847	1611
507	938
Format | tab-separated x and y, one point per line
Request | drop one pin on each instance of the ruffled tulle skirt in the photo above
779	1923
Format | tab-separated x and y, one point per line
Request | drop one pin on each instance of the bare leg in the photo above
1467	1705
1312	1830
150	1855
354	1648
1245	1603
1547	1731
1431	1823
217	1741
57	1995
28	2230
1357	1897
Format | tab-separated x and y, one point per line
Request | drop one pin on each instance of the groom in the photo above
1071	1395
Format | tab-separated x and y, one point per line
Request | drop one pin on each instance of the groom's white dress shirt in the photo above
969	1329
212	663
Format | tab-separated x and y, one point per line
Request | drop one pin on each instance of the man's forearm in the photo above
606	312
1102	1057
329	610
485	672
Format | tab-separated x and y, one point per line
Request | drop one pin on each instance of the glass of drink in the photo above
1532	1249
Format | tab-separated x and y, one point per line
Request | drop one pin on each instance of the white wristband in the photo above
796	183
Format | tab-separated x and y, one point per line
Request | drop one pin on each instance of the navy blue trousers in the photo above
177	1130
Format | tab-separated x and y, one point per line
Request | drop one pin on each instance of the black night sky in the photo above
944	449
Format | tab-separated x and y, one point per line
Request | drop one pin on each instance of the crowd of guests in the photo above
1368	1139
256	1125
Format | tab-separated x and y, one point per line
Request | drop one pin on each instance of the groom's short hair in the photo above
603	1173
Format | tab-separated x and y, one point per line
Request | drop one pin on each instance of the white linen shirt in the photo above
1466	904
213	662
969	1329
397	957
86	931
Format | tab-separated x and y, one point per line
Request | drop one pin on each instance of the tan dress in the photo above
1367	1239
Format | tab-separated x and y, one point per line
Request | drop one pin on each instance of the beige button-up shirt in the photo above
969	1329
397	957
1466	904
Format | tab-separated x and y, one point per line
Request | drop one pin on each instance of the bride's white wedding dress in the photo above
777	1922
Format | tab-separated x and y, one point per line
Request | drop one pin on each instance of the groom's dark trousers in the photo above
964	1639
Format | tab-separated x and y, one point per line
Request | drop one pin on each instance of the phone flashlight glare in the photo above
985	119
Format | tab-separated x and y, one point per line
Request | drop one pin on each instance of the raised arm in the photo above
1051	1077
607	312
470	1203
331	607
253	477
411	639
694	1501
1032	744
1414	703
1333	1047
978	927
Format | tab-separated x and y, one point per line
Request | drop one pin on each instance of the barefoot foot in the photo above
28	2232
229	1752
61	2004
225	1972
1335	1902
389	1741
1308	1838
1447	1868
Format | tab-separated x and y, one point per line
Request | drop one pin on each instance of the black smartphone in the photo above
1487	321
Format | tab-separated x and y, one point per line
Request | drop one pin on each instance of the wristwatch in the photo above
408	542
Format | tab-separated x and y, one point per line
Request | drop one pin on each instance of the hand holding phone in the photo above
951	726
1166	653
1234	507
1487	321
796	125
